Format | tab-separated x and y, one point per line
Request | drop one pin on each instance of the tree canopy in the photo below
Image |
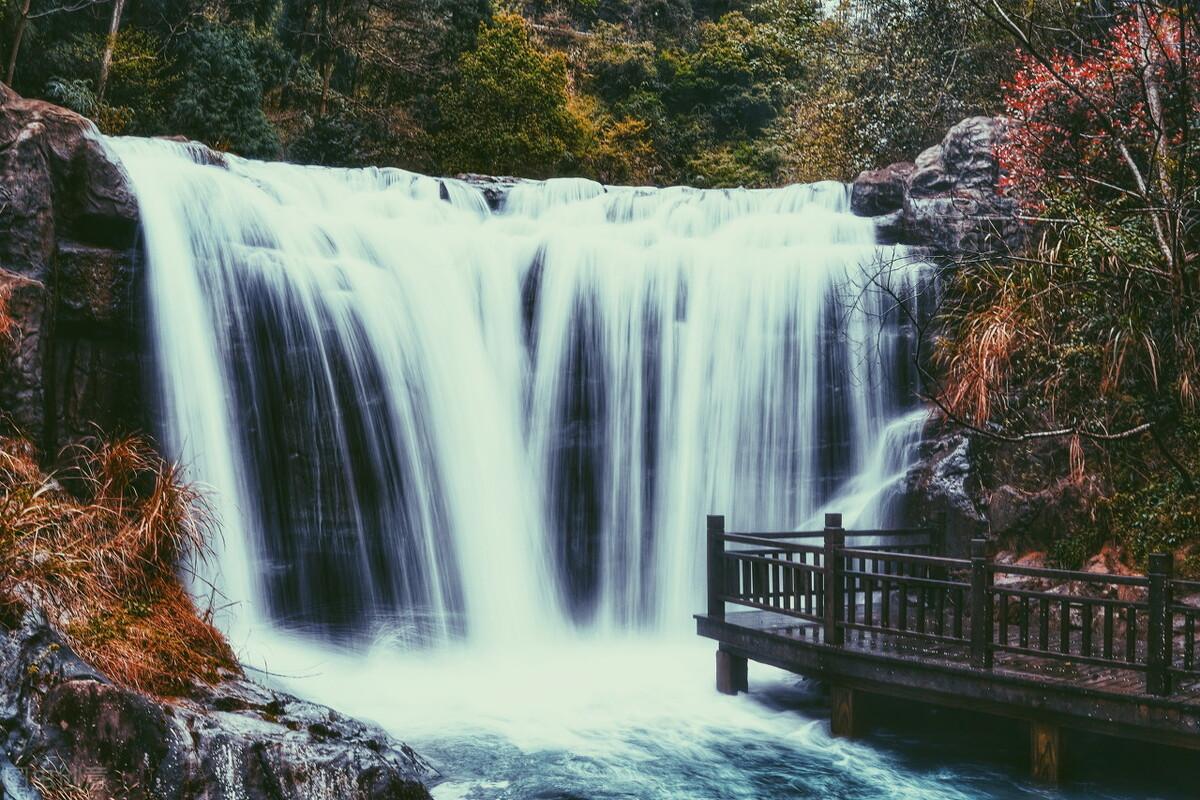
739	92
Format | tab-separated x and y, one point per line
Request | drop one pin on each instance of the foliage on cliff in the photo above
751	92
98	547
1088	338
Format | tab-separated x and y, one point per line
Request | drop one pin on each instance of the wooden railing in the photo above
896	583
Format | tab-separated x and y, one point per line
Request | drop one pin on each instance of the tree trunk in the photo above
16	44
109	44
325	80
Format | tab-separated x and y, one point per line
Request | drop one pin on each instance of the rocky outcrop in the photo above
64	723
949	200
68	277
945	481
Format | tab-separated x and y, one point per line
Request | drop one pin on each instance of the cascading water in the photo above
462	458
425	416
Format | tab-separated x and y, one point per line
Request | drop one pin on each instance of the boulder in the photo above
495	188
954	202
65	723
878	192
949	199
57	181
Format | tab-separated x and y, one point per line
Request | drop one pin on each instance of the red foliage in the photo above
1071	115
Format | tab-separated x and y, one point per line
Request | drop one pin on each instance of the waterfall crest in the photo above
427	419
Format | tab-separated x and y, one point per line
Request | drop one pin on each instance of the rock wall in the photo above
63	722
69	278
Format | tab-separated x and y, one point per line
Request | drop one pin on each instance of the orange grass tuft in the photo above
99	547
977	368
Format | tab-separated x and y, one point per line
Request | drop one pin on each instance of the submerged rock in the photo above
65	722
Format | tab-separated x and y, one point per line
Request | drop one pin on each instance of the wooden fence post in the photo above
1158	627
716	565
835	591
981	606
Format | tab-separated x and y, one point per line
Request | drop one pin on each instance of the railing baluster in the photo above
1024	622
1044	624
1108	630
958	613
885	599
869	601
1085	622
1131	634
940	593
1189	640
981	606
1064	627
1003	630
807	579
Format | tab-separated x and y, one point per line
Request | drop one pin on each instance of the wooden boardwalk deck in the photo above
1105	653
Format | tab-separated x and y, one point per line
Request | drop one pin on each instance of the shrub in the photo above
98	547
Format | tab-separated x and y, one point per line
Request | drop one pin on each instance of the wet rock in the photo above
954	202
235	741
23	310
944	480
495	188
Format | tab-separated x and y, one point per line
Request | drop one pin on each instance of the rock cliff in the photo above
73	354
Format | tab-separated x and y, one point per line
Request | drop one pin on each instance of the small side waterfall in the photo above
426	419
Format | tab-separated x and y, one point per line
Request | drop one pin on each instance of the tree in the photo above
25	15
110	42
220	93
1090	336
507	112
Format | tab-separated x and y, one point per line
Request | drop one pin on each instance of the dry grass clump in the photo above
98	547
53	782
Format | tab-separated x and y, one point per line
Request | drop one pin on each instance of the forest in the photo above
707	93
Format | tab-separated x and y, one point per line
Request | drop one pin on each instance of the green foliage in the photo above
731	166
73	93
729	92
507	111
220	92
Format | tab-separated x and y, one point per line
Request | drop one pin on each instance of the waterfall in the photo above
425	419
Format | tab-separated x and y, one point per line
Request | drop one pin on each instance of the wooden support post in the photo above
843	716
1045	752
1158	627
835	591
732	673
981	606
716	565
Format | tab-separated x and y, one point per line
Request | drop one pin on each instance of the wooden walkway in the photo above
878	612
